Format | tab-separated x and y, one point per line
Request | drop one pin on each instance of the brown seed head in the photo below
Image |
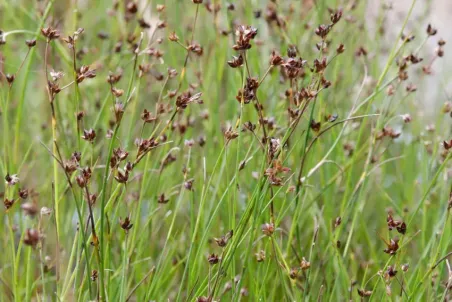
125	224
340	48
336	16
162	199
244	36
23	193
304	265
276	59
268	229
213	259
223	240
132	8
8	203
323	30
392	247
32	237
236	61
31	43
143	23
173	37
50	33
89	135
364	293
94	275
431	31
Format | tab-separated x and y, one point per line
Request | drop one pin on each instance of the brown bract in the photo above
244	36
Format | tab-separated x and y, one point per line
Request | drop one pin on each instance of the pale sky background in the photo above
439	13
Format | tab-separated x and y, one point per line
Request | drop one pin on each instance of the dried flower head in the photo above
323	30
173	37
8	203
391	272
125	224
399	225
304	265
292	51
32	237
143	23
94	275
50	33
119	111
244	36
364	293
260	256
85	72
31	43
56	75
336	16
187	98
23	193
122	177
447	144
273	173
392	247
236	61
340	48
196	48
132	7
46	211
117	92
89	135
268	229
223	240
213	259
11	180
431	31
276	59
162	199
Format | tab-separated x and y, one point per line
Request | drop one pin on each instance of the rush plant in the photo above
206	151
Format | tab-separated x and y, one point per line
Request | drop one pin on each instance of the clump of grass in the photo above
209	151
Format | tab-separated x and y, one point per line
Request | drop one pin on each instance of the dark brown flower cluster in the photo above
122	176
392	246
50	33
387	132
84	177
213	259
294	67
268	229
244	36
118	156
248	93
89	135
85	72
70	40
447	144
223	240
71	165
32	237
186	98
126	225
236	61
144	145
396	224
274	172
324	29
364	293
